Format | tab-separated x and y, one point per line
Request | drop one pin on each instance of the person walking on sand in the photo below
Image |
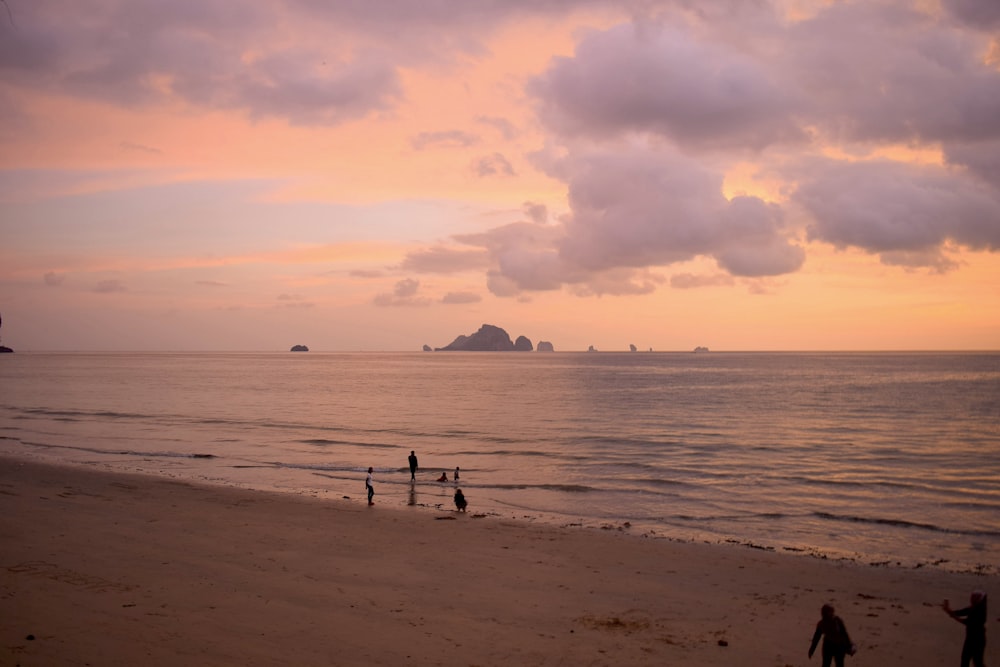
836	642
413	466
368	485
460	502
973	618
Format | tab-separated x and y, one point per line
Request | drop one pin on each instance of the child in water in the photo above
836	642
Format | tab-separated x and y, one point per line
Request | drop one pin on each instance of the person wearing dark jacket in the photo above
973	618
836	642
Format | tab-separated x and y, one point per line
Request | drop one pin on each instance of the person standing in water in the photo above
413	465
973	618
836	642
368	485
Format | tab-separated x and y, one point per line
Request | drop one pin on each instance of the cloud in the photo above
538	213
404	294
982	14
638	208
898	210
53	279
493	165
444	139
211	54
506	128
632	209
665	80
461	297
365	273
523	256
139	148
905	78
691	281
982	159
110	287
640	114
441	259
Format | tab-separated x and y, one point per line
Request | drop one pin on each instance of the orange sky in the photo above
385	176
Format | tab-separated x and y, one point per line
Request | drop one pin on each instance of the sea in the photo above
890	459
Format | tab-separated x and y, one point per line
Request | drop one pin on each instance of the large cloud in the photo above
208	53
859	76
976	13
883	72
648	78
886	207
631	210
306	61
641	208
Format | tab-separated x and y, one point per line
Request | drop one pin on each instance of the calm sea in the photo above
883	457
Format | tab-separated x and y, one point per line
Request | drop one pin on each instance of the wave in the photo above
902	523
569	488
123	452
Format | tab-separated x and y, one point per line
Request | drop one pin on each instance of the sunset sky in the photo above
384	174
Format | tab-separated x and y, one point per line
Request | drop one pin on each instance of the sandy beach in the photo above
100	568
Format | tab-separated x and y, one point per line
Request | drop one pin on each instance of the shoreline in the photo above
112	568
624	526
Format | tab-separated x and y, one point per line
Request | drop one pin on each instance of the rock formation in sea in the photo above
428	348
523	344
701	349
489	338
591	349
299	348
632	348
4	348
544	346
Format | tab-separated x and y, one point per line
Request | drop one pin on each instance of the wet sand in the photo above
100	568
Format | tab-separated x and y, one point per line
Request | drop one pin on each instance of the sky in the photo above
379	175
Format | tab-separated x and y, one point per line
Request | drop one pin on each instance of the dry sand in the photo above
103	569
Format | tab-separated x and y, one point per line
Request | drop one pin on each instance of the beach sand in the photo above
99	568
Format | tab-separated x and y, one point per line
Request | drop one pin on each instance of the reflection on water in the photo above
884	455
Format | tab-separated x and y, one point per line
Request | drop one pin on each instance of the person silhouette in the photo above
973	618
460	502
412	458
368	485
455	478
836	642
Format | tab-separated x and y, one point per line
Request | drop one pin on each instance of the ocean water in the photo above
888	458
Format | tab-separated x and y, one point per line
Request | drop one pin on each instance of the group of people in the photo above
460	502
837	643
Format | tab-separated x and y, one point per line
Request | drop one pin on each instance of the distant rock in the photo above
701	349
299	348
591	349
489	338
4	348
523	344
545	346
428	348
632	348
